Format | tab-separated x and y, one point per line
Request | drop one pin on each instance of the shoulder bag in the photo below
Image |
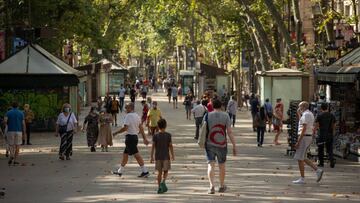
63	128
204	130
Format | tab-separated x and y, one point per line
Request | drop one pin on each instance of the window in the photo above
347	10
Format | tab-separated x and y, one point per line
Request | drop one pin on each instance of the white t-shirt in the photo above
132	120
62	120
199	111
122	92
306	118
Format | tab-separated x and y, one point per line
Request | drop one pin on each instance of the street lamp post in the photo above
331	53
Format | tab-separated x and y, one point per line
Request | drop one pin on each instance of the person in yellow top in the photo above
29	117
153	116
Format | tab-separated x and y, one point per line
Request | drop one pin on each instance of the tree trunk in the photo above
298	22
355	16
259	28
264	59
329	28
260	52
283	30
193	37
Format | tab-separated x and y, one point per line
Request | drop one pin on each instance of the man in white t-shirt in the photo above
122	92
132	127
305	137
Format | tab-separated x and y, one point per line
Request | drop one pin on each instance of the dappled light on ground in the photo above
255	175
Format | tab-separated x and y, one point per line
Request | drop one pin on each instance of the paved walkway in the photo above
255	175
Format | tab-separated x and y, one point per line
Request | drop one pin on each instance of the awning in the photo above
335	73
211	71
37	80
282	72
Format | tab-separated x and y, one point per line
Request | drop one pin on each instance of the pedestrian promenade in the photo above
255	175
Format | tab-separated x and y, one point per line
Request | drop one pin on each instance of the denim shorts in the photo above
216	152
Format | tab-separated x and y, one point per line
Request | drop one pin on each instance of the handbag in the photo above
204	130
63	128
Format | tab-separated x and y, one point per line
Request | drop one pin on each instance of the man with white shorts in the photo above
305	132
15	122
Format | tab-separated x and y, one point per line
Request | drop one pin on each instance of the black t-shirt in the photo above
169	91
132	92
326	121
254	103
162	142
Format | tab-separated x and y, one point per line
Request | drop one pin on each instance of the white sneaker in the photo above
299	181
319	174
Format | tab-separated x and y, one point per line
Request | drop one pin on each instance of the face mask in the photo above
67	110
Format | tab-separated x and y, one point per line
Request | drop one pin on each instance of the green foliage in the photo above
138	28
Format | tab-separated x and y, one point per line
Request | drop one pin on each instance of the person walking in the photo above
66	126
277	120
105	137
122	92
180	93
4	129
246	100
114	110
169	90
144	111
209	105
29	117
132	126
174	93
144	92
219	126
16	130
188	103
305	137
199	111
99	103
254	107
133	94
325	123
162	145
260	120
153	116
231	109
107	102
225	99
269	112
91	124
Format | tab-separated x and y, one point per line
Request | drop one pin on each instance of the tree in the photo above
282	28
260	30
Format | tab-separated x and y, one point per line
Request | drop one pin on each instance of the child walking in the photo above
161	146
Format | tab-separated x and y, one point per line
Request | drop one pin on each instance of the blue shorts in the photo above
218	152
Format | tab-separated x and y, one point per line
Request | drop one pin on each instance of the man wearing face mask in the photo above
305	137
154	115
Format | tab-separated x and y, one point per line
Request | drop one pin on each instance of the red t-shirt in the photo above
210	107
145	112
